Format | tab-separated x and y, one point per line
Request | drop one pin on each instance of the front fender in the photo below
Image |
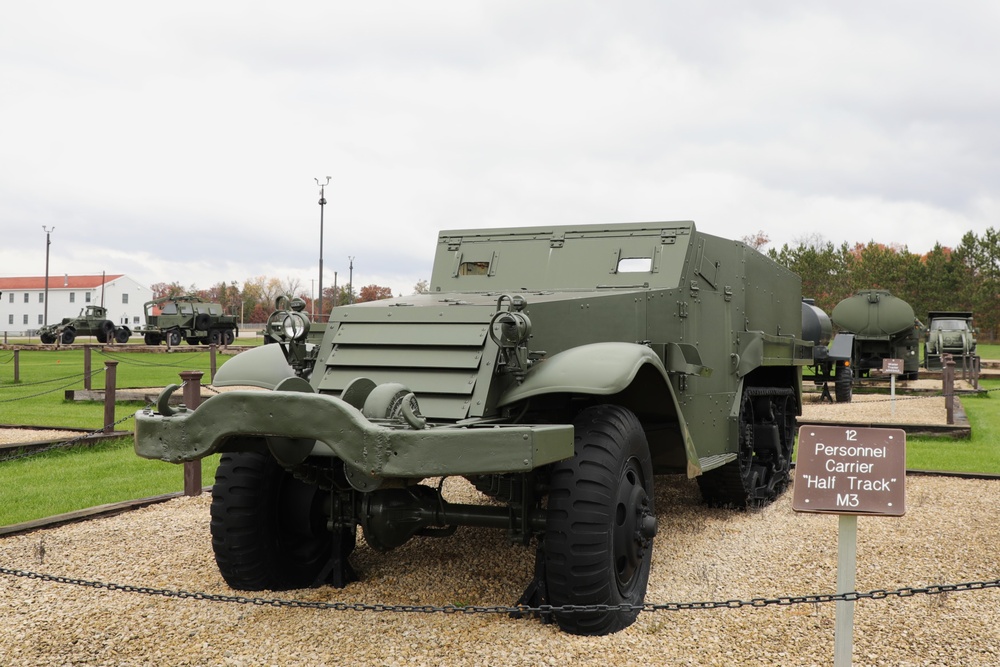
263	366
599	368
602	369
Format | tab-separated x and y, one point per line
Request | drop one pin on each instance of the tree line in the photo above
254	300
965	278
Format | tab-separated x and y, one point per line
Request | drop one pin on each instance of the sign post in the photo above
893	367
849	471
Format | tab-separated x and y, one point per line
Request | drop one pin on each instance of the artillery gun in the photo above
171	319
949	332
557	369
874	325
92	321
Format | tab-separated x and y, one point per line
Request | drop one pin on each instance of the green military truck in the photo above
172	319
92	321
949	332
557	369
874	326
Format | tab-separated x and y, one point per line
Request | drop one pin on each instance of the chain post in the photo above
17	364
110	373
211	357
192	399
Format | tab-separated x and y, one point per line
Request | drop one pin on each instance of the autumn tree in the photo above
161	290
374	293
757	240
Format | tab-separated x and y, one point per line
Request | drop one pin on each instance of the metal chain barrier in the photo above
50	391
65	377
783	601
123	359
821	404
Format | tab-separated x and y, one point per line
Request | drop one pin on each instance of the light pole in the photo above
350	281
322	203
48	242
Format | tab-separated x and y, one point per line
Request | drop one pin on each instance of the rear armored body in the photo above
558	369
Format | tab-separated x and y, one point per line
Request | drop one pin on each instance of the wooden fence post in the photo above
211	356
17	365
948	386
192	399
86	367
110	373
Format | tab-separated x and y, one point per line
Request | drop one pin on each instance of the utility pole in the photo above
350	281
48	242
322	203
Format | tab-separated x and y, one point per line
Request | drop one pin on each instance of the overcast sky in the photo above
180	140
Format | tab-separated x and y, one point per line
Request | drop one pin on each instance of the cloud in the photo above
180	141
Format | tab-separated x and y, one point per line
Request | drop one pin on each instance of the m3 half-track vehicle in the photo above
558	369
174	318
948	332
874	325
92	321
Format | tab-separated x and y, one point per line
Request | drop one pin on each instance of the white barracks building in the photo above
22	300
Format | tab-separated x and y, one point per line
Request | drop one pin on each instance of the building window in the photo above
10	319
26	299
41	297
135	320
25	318
125	297
40	322
72	297
11	299
88	297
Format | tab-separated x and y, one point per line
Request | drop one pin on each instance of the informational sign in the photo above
892	366
850	470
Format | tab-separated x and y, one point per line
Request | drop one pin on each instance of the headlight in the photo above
295	326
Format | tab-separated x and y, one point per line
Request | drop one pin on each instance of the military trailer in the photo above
171	319
557	369
949	332
875	325
831	361
92	321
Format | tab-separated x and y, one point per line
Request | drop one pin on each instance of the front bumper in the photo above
299	424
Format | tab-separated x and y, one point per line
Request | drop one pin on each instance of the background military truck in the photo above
92	321
949	332
874	325
173	318
557	369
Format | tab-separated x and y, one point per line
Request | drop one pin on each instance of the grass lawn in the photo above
66	480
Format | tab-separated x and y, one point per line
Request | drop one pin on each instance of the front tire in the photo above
843	383
269	528
600	526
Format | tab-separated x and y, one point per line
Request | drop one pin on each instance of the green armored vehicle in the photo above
557	369
949	332
171	319
92	321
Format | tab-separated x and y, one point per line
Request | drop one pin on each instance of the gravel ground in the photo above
877	408
10	436
948	535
